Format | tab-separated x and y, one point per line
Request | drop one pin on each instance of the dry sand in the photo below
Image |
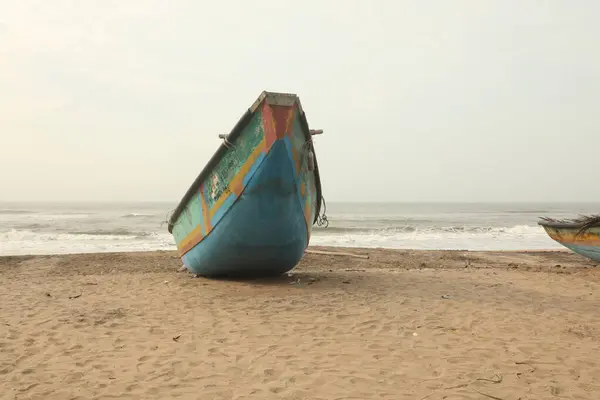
400	325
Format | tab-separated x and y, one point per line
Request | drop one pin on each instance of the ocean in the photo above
37	228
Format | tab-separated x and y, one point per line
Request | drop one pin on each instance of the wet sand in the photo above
399	325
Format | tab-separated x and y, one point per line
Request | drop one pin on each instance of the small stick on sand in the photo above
331	253
497	380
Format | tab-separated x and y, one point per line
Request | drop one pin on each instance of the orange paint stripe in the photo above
307	212
282	118
269	128
289	129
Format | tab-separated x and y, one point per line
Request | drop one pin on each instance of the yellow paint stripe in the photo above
184	250
288	121
205	217
185	243
296	159
586	239
580	240
238	179
195	236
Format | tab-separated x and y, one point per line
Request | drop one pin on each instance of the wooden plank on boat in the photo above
335	253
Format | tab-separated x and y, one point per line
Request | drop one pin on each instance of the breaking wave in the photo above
117	234
48	229
29	242
516	230
519	237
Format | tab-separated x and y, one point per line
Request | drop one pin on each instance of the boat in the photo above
251	210
581	235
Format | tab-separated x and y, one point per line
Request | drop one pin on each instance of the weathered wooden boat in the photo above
581	235
251	209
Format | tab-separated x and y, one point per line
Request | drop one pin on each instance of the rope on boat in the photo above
322	220
226	142
167	218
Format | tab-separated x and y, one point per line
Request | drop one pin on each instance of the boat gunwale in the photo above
231	137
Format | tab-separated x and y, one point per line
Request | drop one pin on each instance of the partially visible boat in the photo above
252	208
581	235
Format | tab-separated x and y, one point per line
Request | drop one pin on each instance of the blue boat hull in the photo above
264	231
591	252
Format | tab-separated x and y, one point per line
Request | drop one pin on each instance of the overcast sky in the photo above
419	100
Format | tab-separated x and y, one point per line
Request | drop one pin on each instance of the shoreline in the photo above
311	247
323	258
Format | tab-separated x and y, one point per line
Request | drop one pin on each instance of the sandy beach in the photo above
399	325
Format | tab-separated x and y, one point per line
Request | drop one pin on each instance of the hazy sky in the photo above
419	100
